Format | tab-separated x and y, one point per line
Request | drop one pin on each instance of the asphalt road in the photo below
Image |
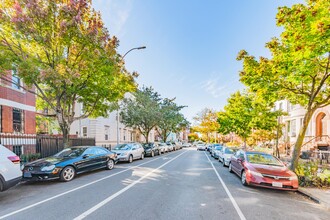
185	184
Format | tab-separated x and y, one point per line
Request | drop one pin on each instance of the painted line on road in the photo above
75	189
107	200
238	210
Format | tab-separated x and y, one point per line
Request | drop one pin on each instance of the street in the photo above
185	184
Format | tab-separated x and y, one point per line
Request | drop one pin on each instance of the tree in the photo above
63	49
206	123
142	110
244	113
298	69
171	120
193	137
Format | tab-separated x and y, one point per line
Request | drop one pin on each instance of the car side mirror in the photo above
133	148
85	156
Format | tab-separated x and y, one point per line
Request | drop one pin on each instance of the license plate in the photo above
277	184
27	174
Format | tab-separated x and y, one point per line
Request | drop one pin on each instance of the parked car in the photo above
185	145
163	148
151	149
216	151
264	170
129	152
170	146
201	147
225	154
69	162
10	171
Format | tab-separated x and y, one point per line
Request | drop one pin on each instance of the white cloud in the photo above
216	86
114	13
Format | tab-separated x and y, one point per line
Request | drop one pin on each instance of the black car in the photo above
151	149
69	162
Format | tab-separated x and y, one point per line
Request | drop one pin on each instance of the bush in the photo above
309	174
25	158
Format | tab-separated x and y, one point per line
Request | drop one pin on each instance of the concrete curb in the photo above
314	198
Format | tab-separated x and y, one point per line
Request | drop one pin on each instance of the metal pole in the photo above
135	48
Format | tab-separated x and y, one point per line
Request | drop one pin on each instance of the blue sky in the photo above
191	45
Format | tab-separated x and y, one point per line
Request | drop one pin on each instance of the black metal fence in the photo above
45	145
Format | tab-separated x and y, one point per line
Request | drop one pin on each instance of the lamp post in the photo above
135	48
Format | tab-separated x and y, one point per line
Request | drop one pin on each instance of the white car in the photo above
129	152
201	147
225	154
163	147
10	170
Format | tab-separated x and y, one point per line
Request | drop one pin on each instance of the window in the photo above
84	131
18	150
17	120
281	106
106	132
16	81
124	134
293	127
0	118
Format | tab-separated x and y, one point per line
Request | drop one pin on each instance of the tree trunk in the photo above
146	135
65	128
300	140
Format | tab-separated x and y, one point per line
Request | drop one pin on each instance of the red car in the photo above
261	169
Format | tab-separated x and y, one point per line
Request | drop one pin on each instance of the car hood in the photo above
47	161
271	170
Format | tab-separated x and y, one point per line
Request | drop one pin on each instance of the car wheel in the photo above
110	164
152	154
142	156
230	168
1	186
67	174
223	163
130	159
243	178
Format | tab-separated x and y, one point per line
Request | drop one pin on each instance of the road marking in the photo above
75	189
113	196
238	210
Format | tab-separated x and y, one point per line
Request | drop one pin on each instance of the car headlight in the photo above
254	173
293	177
48	168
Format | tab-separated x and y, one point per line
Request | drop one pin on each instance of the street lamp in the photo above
135	48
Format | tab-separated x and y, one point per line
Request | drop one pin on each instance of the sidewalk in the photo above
321	196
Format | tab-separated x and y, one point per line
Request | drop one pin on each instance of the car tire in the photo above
223	163
230	168
243	178
142	156
110	164
130	158
67	174
152	153
2	186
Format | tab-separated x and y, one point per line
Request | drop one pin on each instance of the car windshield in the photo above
70	152
123	147
229	151
147	145
266	159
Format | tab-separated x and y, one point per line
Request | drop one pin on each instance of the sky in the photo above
191	44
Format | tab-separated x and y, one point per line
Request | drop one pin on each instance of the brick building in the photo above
17	112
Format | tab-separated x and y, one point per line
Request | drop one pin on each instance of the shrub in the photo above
309	174
25	158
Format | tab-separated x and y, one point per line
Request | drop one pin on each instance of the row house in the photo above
17	114
107	131
317	135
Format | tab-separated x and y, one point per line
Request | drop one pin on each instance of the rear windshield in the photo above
266	159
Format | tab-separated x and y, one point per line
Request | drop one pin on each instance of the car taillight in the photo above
14	159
